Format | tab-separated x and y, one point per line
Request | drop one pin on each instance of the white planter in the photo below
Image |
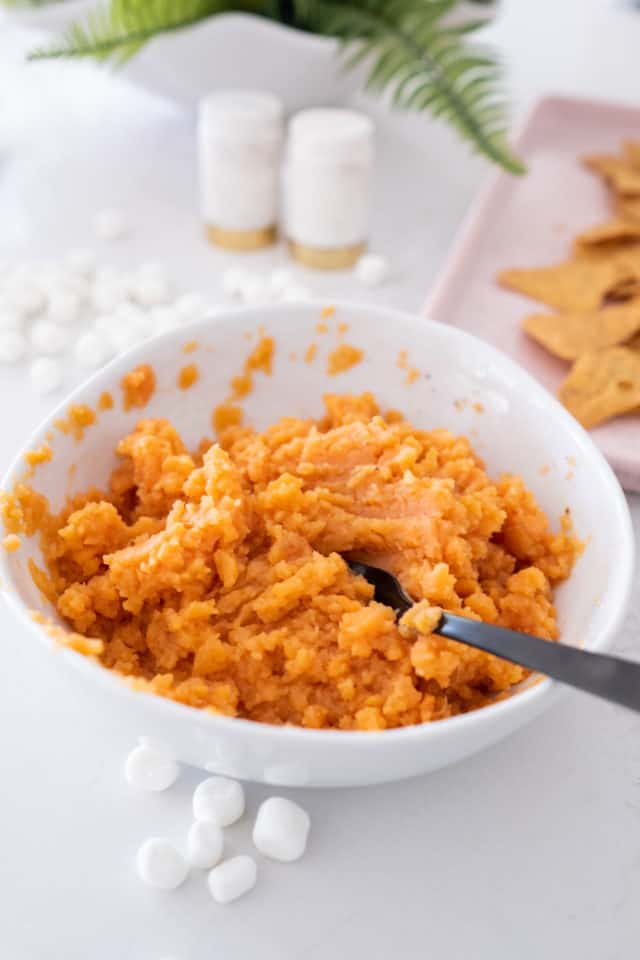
245	52
235	50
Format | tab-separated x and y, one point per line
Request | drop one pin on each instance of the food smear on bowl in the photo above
188	375
343	358
138	386
216	578
11	542
79	417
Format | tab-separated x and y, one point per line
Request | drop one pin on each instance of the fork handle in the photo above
609	677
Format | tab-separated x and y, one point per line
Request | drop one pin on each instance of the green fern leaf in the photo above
422	64
416	59
117	31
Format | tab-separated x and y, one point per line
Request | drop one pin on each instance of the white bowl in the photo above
522	429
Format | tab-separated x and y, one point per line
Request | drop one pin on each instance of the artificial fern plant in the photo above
414	55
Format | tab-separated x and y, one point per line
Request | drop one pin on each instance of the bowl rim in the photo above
532	697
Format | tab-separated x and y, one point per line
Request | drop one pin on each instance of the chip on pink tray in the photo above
531	221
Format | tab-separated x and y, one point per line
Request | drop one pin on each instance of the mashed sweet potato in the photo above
216	578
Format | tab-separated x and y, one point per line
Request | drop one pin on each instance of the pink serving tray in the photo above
530	221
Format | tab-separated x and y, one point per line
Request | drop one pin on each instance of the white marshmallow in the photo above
279	281
151	292
190	307
45	374
92	349
109	294
110	224
27	299
372	269
218	799
47	337
82	261
281	829
149	769
149	285
160	865
13	346
64	306
232	878
254	290
205	843
234	280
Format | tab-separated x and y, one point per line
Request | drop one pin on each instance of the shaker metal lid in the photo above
241	114
332	134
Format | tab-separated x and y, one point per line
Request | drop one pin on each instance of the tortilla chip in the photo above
602	384
618	173
570	334
631	153
616	229
628	208
574	286
634	343
623	290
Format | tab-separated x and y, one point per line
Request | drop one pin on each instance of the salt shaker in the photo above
240	136
328	186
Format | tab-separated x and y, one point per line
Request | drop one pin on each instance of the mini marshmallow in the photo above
122	336
279	281
131	314
218	799
64	306
205	843
82	261
232	878
254	290
47	337
149	285
160	865
151	292
92	349
13	346
110	224
149	769
27	299
372	269
189	307
109	294
281	829
45	374
234	280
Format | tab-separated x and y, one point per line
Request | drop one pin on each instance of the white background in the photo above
529	850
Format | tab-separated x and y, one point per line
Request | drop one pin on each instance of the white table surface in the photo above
529	850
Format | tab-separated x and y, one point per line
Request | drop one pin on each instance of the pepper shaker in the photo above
328	186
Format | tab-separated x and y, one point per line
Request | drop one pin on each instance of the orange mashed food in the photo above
216	578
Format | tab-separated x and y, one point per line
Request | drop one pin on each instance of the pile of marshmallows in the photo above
280	830
77	308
